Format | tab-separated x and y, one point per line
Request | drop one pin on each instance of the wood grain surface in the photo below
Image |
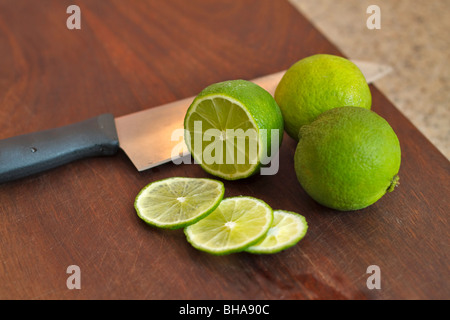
133	55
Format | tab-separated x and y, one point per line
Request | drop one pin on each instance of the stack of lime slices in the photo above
216	225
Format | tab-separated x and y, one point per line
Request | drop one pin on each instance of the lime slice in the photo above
177	202
232	127
236	224
286	230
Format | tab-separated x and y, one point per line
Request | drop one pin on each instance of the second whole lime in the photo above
316	84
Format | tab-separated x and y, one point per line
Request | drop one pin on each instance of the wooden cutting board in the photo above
133	55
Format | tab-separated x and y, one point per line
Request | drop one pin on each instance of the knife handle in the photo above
32	153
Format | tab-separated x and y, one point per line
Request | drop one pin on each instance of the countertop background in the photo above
413	40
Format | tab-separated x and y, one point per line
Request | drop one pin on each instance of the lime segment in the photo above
236	224
177	202
287	229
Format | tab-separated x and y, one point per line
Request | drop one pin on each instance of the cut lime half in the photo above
177	202
235	224
230	127
222	113
286	230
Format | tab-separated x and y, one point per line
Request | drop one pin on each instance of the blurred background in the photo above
413	40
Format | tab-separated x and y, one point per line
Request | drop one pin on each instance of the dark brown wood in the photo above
133	55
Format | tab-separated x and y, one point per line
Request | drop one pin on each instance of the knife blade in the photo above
149	137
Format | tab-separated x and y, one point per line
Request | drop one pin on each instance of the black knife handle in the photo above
32	153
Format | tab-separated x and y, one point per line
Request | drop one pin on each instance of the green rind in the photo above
287	245
236	249
185	223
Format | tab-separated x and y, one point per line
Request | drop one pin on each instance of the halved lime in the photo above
286	230
236	223
232	127
177	202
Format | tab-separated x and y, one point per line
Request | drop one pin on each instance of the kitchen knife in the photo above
149	137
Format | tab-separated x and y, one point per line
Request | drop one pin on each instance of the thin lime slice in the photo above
236	223
177	202
287	229
229	128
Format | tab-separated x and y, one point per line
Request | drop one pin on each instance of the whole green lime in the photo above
316	84
348	158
